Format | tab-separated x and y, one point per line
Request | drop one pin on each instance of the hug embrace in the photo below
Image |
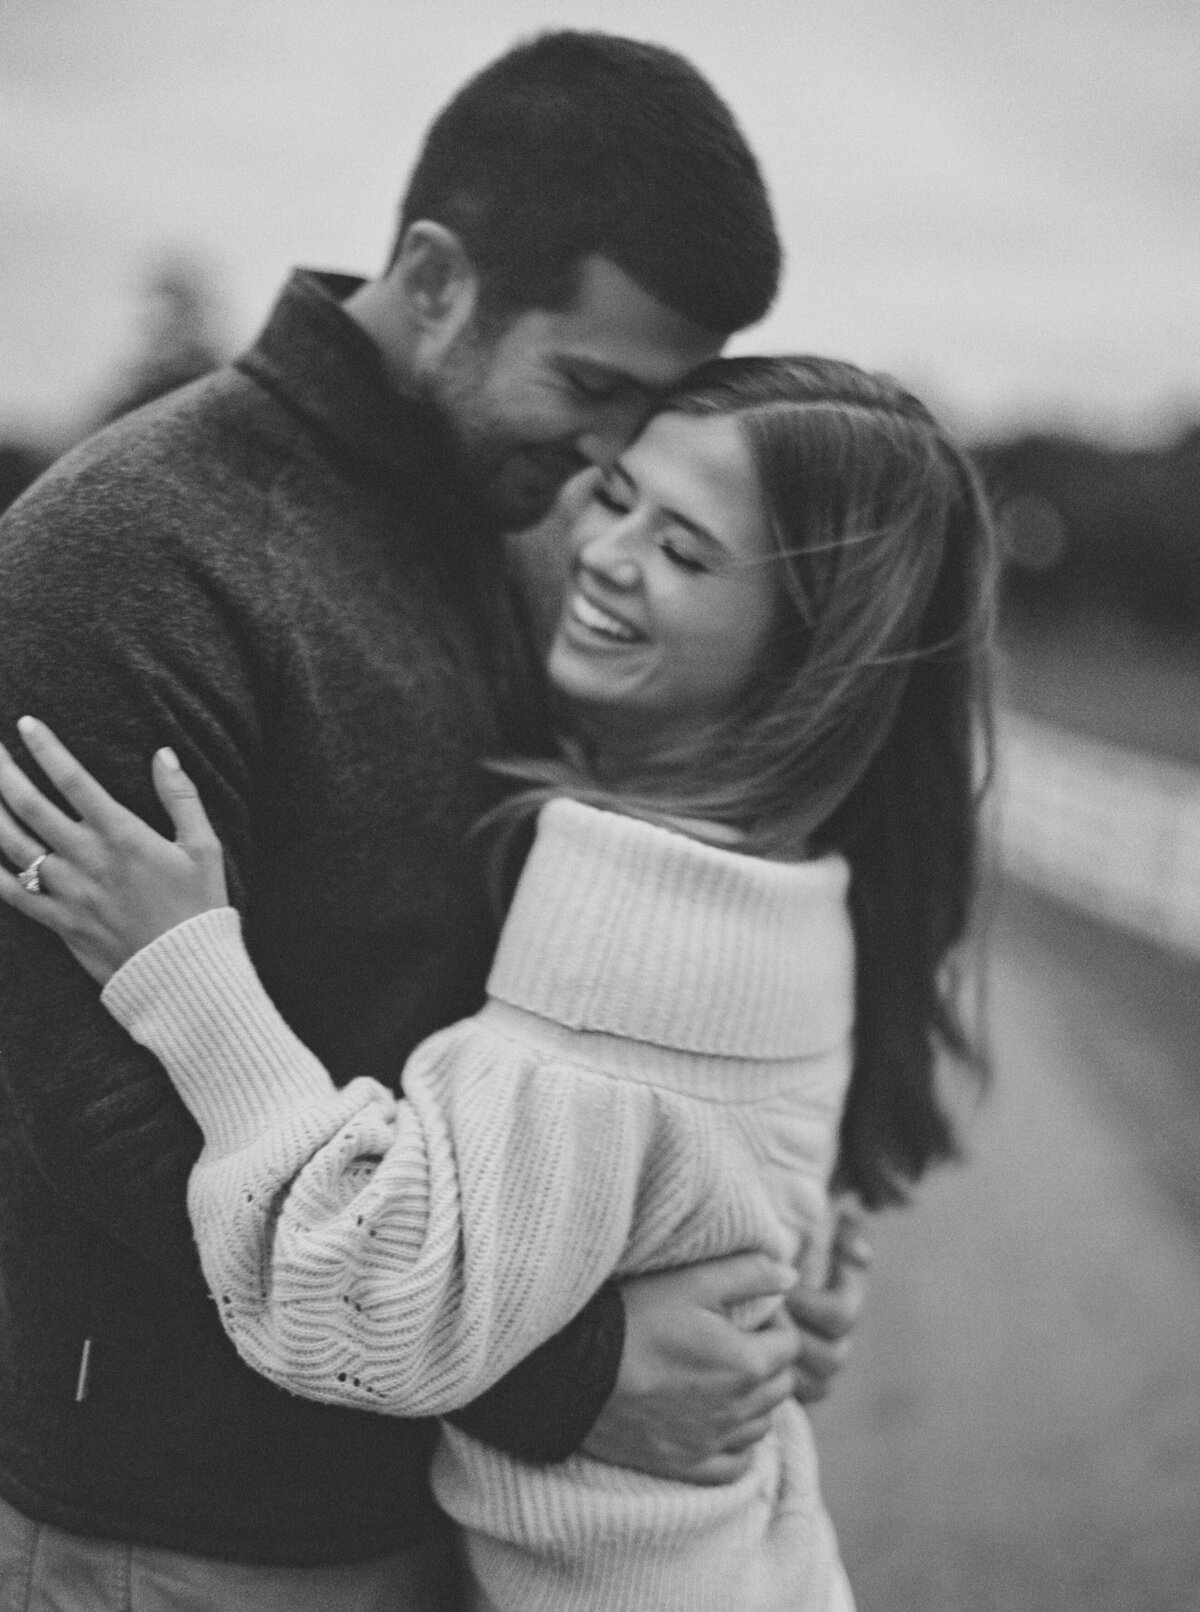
499	1008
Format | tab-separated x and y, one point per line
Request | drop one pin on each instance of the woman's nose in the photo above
613	557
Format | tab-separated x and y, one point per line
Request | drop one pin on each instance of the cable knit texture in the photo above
657	1078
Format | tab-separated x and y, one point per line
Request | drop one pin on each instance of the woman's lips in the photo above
600	621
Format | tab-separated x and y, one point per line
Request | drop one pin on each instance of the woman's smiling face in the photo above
672	592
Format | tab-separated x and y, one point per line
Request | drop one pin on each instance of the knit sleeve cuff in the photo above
193	999
545	1407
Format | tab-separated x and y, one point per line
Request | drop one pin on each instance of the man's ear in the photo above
439	284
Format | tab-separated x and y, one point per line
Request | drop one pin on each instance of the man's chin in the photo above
521	497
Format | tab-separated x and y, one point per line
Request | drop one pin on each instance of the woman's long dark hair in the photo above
868	728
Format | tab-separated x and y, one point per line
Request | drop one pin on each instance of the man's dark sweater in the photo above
271	572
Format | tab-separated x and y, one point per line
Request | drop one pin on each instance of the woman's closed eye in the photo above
609	495
683	555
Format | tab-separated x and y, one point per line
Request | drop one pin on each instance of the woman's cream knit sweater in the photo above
656	1078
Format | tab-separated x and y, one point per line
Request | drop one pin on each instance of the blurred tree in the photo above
178	337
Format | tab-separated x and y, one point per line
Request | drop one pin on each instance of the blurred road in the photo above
1019	1430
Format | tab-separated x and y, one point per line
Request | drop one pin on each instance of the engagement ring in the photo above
30	878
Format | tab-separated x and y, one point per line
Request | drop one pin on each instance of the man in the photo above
292	572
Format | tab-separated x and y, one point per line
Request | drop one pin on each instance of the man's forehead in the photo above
615	326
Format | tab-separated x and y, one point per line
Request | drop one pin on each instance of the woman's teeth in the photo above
599	621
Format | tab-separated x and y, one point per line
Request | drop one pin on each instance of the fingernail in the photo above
169	759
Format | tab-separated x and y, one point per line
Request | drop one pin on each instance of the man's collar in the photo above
324	367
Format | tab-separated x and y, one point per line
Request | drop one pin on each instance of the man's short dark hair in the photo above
578	143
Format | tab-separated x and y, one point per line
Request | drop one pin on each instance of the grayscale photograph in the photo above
599	806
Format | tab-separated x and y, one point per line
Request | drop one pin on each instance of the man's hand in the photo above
695	1391
826	1316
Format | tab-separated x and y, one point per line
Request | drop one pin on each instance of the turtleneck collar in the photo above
629	929
324	368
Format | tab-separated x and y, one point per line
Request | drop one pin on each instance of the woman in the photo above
722	978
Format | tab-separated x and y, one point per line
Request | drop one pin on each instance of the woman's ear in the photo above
439	286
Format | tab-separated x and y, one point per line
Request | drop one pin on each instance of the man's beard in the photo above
511	483
516	487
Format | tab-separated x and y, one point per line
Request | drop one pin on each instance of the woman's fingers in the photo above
740	1278
22	851
13	894
61	907
16	843
762	1400
27	803
748	1435
181	801
96	807
39	907
718	1470
69	776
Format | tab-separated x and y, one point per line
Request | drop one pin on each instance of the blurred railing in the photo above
1107	829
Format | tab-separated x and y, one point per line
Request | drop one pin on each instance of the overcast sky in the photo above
997	199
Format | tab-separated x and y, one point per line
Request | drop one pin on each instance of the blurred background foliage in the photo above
176	338
1088	526
1100	622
